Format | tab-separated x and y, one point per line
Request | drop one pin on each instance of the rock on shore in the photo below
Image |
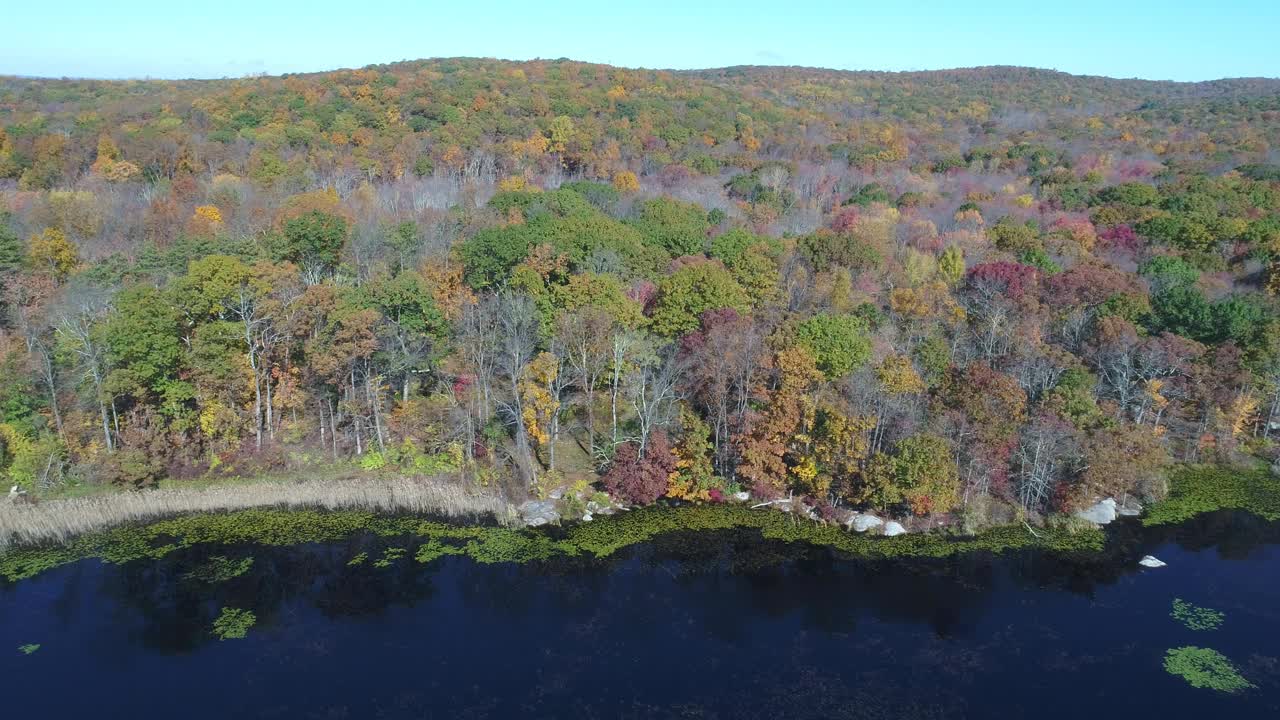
863	522
1099	514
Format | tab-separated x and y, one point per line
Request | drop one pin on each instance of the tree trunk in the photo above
51	382
373	394
333	431
271	430
613	400
322	433
257	397
106	427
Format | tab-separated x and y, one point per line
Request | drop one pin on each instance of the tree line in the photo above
1014	322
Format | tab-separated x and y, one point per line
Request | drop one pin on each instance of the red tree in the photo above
641	479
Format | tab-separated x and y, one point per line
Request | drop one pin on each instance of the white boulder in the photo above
1150	561
742	496
892	528
863	522
536	513
1100	513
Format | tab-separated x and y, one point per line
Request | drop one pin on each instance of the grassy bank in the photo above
490	544
62	520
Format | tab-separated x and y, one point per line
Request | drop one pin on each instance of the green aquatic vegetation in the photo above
220	569
29	648
259	526
1205	668
389	556
505	545
1202	489
358	559
1194	616
234	623
602	538
433	549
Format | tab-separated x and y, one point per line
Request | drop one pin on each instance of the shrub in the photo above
641	479
373	460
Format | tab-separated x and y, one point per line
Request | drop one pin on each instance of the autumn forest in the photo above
959	298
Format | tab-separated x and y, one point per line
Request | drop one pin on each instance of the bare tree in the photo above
1046	449
585	337
479	341
622	349
76	325
517	325
653	390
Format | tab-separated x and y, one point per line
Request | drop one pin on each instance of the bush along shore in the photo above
495	534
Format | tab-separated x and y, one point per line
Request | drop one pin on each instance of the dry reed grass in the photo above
59	520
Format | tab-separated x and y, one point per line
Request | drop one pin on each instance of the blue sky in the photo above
1174	39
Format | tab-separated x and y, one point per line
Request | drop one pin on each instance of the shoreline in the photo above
329	510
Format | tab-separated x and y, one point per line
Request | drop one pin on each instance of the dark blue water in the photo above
712	625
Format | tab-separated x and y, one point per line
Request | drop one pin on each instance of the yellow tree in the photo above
626	182
108	154
776	450
52	251
561	133
694	477
840	444
541	386
951	265
206	220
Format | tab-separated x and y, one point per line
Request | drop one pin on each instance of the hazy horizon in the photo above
128	78
1179	41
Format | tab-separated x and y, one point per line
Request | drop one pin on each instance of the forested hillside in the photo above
966	294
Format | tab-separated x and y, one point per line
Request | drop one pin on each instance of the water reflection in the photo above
713	625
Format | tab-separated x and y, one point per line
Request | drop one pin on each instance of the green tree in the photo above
489	256
600	291
679	228
922	472
405	240
1014	236
1130	193
728	247
692	290
1164	271
1183	310
11	248
411	327
1180	231
143	345
315	240
839	343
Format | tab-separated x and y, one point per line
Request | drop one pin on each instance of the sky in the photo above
1169	40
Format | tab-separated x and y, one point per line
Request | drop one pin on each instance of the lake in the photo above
715	624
